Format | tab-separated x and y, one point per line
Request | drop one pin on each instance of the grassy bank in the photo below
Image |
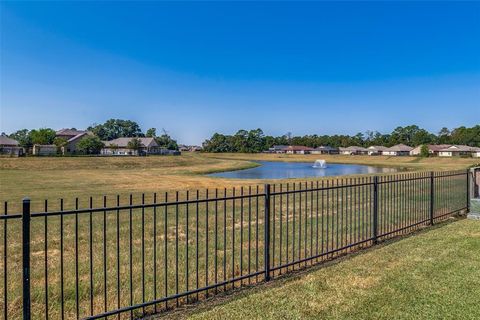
54	178
433	275
410	163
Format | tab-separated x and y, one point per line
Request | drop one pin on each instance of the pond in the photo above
285	170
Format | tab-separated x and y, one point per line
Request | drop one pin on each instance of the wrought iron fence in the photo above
127	259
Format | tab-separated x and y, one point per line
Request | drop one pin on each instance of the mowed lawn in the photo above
434	274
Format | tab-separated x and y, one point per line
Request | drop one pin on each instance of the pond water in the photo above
285	170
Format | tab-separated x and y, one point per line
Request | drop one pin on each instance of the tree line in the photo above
110	130
256	141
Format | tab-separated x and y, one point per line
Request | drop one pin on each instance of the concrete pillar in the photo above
474	191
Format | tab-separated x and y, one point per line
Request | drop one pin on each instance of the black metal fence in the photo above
119	259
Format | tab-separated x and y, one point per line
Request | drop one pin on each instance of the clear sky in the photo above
199	68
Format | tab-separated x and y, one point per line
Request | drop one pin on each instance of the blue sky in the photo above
198	68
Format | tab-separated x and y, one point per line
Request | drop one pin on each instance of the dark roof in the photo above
6	141
326	148
298	148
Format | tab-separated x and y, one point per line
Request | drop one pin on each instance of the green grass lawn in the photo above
431	275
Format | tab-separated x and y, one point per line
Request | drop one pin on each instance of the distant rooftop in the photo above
6	141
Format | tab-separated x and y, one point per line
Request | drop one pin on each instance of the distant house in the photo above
476	152
73	137
459	150
119	147
67	134
278	149
325	150
44	150
10	147
433	149
398	150
353	150
298	150
195	149
184	148
376	150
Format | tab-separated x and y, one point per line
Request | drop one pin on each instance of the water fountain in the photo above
320	164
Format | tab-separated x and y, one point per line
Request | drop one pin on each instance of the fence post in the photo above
267	233
26	258
469	186
375	209
432	196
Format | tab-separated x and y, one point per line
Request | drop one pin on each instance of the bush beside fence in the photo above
132	259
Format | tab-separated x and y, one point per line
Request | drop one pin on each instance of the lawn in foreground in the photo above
431	275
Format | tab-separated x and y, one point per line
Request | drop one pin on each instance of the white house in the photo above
44	150
398	150
459	150
325	150
376	150
476	152
277	149
298	150
433	149
119	147
353	150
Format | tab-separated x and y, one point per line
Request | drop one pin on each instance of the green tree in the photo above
23	138
443	136
424	152
165	141
60	143
116	128
219	143
90	145
134	144
42	136
151	133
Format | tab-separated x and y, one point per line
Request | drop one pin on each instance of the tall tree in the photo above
134	144
116	128
90	145
165	141
42	136
23	138
151	133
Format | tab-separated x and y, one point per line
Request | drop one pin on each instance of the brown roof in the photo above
69	132
400	147
438	147
123	142
461	148
6	141
378	148
77	136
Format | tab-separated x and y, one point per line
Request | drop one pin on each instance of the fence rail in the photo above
117	260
